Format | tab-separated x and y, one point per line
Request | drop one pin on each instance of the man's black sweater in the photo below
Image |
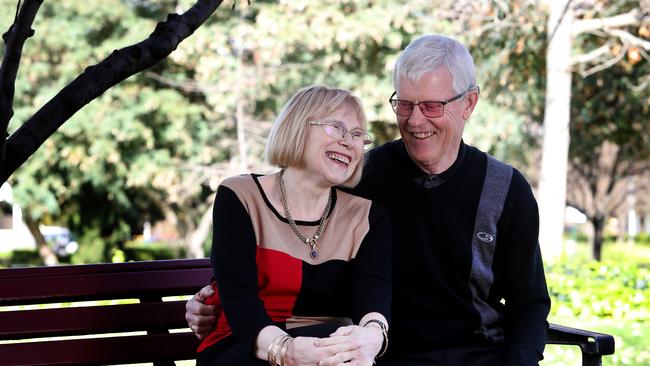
433	218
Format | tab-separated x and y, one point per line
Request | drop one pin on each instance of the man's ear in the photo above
470	103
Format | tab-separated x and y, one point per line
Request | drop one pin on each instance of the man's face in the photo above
433	143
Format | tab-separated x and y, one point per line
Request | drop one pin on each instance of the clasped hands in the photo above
349	345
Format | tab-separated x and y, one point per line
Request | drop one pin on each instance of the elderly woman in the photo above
302	269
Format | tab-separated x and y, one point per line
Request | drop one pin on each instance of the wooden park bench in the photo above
91	334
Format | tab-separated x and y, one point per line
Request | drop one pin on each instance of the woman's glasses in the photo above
337	130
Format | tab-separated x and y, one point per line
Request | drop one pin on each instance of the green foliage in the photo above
612	296
612	108
642	239
141	251
600	289
511	55
156	146
21	258
115	163
92	248
140	151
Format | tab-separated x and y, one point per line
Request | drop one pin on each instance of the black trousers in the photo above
476	355
230	352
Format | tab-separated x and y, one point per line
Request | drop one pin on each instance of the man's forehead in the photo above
431	85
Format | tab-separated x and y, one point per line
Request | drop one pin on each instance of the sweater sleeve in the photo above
233	261
371	268
527	302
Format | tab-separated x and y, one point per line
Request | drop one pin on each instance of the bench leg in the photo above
591	359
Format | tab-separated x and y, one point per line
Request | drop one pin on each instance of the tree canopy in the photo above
155	146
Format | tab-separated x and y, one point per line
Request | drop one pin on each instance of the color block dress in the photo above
265	276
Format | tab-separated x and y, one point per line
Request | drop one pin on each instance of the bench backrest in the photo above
148	282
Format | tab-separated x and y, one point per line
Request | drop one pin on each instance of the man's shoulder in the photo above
518	180
386	150
381	159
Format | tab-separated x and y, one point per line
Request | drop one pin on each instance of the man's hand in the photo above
201	317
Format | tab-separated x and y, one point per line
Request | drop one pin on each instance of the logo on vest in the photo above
484	237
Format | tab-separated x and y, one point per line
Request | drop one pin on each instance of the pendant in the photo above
313	253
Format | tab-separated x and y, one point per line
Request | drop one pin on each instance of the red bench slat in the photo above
92	320
146	281
66	284
102	351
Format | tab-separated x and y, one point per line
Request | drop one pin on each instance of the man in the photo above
468	279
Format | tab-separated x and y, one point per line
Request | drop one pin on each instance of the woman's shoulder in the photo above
347	198
242	181
353	205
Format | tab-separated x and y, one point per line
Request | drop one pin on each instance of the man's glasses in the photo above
337	130
429	108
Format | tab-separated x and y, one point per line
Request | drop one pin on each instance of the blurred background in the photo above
132	176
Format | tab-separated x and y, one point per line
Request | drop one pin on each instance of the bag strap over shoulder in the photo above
495	189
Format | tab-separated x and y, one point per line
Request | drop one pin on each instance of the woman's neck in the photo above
306	196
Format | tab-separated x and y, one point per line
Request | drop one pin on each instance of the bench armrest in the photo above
592	344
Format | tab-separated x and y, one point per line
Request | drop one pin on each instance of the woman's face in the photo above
330	157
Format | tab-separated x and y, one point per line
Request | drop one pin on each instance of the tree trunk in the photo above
555	146
44	250
198	236
599	225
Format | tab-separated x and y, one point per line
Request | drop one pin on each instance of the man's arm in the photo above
201	317
527	302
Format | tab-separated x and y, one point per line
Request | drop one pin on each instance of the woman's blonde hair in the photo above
290	132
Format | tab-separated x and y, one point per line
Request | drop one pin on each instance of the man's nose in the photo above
416	118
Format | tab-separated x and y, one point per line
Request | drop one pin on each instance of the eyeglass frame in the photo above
365	141
443	103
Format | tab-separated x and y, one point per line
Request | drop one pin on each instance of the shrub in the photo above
144	251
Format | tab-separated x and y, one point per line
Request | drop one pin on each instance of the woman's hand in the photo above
303	351
354	344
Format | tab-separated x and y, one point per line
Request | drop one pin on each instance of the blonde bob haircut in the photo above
290	132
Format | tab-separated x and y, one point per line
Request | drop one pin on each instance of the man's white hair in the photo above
431	52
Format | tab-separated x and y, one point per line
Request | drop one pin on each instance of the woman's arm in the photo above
371	297
371	270
233	257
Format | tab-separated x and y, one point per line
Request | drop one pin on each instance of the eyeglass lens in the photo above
429	109
339	132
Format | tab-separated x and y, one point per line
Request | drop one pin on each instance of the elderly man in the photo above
468	279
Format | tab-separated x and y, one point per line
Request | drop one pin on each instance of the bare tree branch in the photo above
14	39
186	86
628	38
614	171
98	78
633	17
605	65
598	53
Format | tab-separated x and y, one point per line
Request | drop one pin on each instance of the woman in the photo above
293	256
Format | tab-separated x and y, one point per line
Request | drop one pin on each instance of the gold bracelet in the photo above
285	347
274	347
269	354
